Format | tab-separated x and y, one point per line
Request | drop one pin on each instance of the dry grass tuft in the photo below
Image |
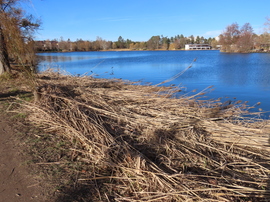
143	146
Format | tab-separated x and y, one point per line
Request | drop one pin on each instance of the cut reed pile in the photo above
141	145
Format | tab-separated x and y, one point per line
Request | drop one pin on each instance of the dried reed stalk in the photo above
148	147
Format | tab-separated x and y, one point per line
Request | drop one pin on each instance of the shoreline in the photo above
120	50
130	50
121	135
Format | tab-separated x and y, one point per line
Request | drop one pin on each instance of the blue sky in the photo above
139	20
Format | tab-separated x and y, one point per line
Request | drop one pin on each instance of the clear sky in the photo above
139	20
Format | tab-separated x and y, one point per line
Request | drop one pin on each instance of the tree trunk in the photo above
4	59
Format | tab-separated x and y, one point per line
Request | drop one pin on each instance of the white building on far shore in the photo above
197	47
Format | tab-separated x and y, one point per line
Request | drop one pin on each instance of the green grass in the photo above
26	97
6	76
19	116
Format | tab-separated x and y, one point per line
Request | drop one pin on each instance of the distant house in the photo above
47	45
54	45
40	45
218	47
265	47
197	47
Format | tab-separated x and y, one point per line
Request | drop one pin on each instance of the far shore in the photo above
124	49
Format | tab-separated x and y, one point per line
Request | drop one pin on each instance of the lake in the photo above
245	77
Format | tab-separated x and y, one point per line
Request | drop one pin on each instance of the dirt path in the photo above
16	181
22	148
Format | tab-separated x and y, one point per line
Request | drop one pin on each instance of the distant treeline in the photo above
236	39
154	43
232	39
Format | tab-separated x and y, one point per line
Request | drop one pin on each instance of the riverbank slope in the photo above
122	142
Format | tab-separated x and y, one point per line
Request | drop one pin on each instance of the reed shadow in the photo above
81	193
9	95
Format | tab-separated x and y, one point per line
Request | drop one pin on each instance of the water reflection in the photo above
54	59
61	57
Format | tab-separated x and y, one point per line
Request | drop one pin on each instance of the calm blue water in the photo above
245	77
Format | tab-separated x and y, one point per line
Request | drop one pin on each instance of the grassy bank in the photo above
138	143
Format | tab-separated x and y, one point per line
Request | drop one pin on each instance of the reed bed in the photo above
142	144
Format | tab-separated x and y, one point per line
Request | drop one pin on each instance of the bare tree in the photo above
235	40
267	24
4	61
4	22
246	42
263	41
16	31
102	44
229	38
179	43
62	44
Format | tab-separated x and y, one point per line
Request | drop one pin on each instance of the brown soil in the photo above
17	183
30	158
